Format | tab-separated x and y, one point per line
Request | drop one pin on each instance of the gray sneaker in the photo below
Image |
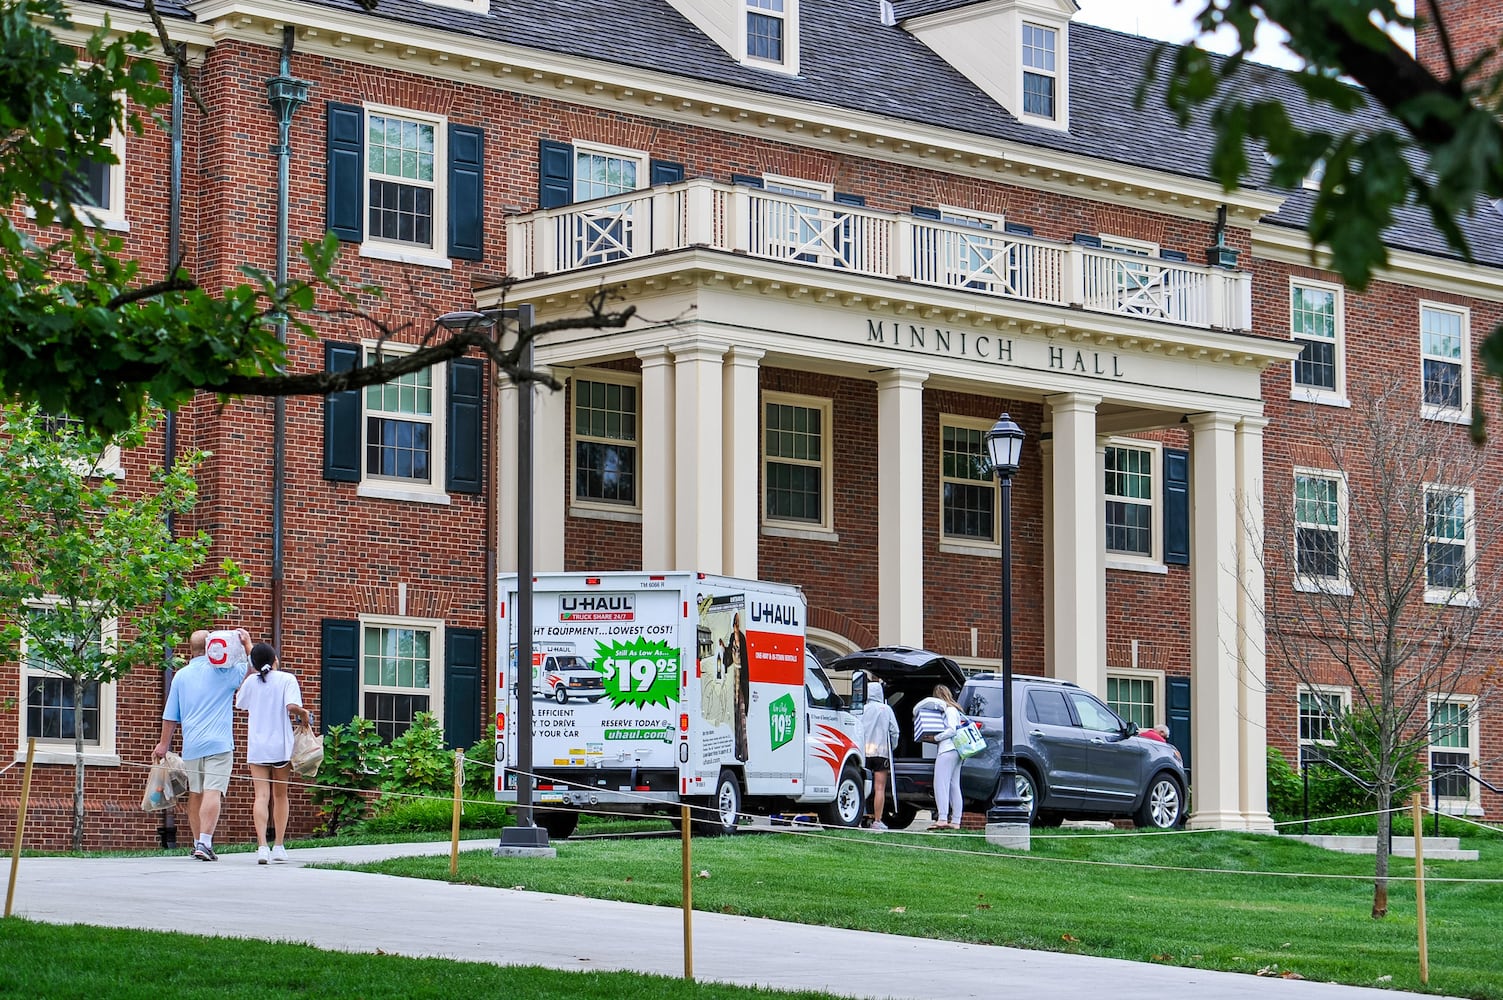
204	852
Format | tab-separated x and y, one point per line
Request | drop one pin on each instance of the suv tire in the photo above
1163	805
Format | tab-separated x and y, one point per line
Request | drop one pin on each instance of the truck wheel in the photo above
560	695
849	802
560	825
719	816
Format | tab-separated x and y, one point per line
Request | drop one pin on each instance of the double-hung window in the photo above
1449	544
796	466
401	426
400	664
968	498
1319	529
1040	75
49	697
1453	750
605	439
1444	362
403	151
607	232
1131	501
1315	323
1320	709
766	30
1134	697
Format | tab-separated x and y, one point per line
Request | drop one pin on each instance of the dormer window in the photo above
766	24
1039	49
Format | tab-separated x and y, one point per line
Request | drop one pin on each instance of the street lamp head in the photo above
466	319
1004	445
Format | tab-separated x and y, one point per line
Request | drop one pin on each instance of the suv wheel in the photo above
1163	804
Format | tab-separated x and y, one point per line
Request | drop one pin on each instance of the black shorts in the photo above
879	763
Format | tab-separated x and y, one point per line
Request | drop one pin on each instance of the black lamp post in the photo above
526	834
1004	446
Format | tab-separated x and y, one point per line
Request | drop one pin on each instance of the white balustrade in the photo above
823	234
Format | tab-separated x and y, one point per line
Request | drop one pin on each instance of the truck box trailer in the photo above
647	690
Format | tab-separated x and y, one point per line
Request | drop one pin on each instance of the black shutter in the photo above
555	174
746	179
847	230
342	414
339	678
466	192
344	198
462	683
1177	715
1176	507
465	426
664	172
1017	229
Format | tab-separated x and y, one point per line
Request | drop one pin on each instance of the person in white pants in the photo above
948	804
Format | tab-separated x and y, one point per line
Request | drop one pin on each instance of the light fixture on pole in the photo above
526	837
1007	819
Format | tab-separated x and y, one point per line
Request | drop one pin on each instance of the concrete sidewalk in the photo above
354	911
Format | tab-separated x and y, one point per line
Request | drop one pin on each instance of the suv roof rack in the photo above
1030	678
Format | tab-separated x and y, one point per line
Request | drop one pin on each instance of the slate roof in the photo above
849	59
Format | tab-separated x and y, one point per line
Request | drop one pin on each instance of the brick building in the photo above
854	232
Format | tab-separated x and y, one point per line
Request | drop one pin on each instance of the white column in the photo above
1046	456
655	458
900	508
742	458
1215	673
1077	607
550	487
1252	714
697	383
506	478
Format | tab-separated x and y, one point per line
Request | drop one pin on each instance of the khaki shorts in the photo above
211	772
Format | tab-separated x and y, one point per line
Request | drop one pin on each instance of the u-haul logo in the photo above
597	607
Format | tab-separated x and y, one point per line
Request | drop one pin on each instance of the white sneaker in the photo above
263	854
878	827
279	855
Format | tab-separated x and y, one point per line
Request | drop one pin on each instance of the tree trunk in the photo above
1385	845
78	765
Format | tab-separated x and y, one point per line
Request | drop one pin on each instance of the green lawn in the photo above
63	963
1069	894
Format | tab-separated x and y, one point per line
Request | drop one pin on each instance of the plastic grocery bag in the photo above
307	751
166	782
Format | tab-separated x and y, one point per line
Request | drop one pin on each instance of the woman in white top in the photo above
269	695
948	804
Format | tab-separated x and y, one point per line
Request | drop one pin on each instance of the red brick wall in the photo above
1472	27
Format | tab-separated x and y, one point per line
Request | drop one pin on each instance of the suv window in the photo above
983	700
1049	708
1094	715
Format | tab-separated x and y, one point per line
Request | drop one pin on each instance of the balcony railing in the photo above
857	240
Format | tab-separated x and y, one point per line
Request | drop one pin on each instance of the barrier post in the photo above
458	794
1419	889
15	854
688	896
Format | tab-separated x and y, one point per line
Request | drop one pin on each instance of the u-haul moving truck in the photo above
702	692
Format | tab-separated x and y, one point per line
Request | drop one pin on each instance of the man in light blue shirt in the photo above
202	701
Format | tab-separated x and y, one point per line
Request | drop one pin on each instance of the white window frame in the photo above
54	751
1154	560
636	156
112	218
826	464
382	248
434	491
609	377
1322	692
1456	806
1455	415
1322	584
625	213
1155	679
965	543
955	270
1464	596
436	650
1054	75
1310	394
789	16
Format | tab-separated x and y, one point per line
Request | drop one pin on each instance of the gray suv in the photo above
1077	759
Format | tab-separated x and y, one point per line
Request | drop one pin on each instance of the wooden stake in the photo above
1419	890
688	896
15	853
454	830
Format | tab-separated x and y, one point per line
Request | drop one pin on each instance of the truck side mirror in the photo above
858	691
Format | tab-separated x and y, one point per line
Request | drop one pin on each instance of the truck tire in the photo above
560	825
719	815
560	695
849	803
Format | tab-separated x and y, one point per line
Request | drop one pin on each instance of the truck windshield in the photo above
573	663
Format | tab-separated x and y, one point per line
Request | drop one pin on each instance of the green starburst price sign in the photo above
780	717
639	673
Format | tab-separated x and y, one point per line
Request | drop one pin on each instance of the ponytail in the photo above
264	659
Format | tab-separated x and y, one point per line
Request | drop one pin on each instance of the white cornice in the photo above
89	17
355	37
1292	246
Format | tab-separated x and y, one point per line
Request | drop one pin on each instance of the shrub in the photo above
351	769
480	766
418	762
433	816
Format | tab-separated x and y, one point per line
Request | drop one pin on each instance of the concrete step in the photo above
1436	848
